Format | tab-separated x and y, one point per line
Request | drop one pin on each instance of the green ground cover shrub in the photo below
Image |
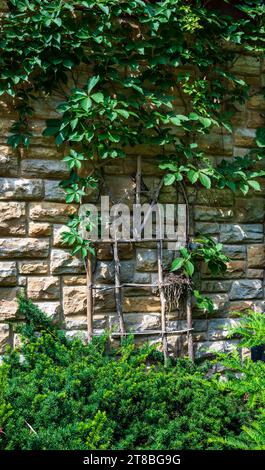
61	394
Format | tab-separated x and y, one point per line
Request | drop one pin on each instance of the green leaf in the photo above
104	8
194	117
176	121
98	97
169	179
177	264
244	188
59	139
185	253
92	83
83	252
205	180
91	250
206	122
254	184
73	123
86	104
49	131
193	176
189	268
123	113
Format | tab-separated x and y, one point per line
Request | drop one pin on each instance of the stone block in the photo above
235	233
74	300
51	309
8	162
256	256
235	269
256	102
240	306
12	218
51	211
104	273
22	281
137	321
3	5
8	272
39	229
20	189
246	289
4	337
214	197
43	288
53	192
220	303
23	248
127	271
250	210
58	230
205	228
216	144
33	267
220	328
122	188
246	65
75	280
215	286
104	301
245	137
105	253
211	348
235	251
44	169
141	304
208	214
146	259
63	263
8	303
255	273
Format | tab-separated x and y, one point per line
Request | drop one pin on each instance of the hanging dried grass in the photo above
176	287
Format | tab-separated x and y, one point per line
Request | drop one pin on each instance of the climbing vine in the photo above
143	60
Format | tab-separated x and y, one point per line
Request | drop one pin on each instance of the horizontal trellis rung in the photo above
149	332
136	240
101	288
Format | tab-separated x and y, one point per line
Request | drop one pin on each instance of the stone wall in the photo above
33	214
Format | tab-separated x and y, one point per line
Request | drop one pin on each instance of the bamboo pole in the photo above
89	298
162	297
135	240
189	325
147	332
118	297
138	180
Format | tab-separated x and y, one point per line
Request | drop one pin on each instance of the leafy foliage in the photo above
251	329
246	381
141	58
204	250
134	76
61	394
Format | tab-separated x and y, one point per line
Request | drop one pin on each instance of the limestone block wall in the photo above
33	214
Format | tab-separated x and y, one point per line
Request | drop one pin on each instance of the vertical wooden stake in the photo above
118	287
189	325
138	180
162	297
89	299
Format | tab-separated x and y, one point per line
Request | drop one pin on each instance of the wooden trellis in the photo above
118	286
